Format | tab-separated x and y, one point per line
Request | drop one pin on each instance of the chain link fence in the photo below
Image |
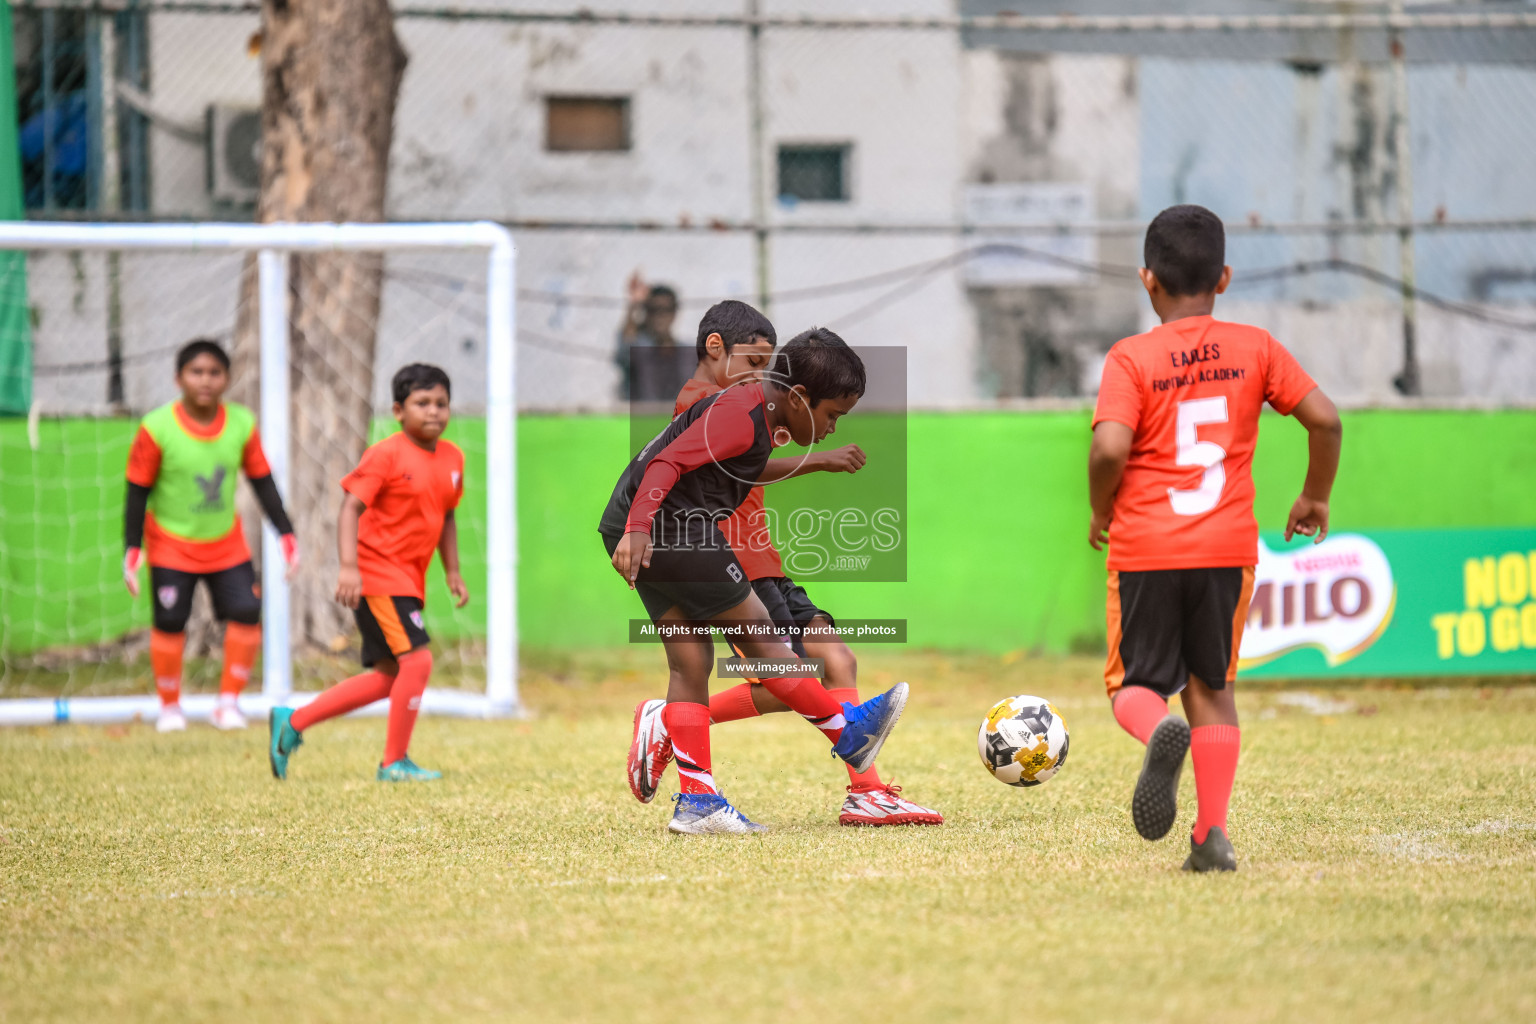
967	183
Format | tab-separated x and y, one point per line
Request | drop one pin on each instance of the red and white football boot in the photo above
884	805
650	751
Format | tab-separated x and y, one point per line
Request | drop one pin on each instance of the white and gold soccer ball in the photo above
1023	741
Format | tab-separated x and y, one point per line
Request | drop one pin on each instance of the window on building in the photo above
63	91
814	173
586	124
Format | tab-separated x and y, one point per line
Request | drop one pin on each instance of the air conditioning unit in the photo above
234	154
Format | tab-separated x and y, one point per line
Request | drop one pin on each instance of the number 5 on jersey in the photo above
1194	414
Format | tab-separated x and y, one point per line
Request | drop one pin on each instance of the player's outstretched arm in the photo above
448	548
143	472
1106	465
272	505
254	464
1325	439
134	508
729	434
850	458
349	581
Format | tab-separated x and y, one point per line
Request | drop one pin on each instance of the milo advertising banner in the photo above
1394	603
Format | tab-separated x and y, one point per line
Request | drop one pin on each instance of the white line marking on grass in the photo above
595	881
1421	845
1315	704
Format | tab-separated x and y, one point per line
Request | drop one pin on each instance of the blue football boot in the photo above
868	725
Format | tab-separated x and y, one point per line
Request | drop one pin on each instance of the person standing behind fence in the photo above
647	324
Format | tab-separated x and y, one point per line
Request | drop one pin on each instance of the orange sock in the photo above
241	642
1213	748
859	780
1138	710
405	702
165	661
732	705
347	695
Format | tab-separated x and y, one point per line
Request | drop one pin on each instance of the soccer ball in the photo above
1023	741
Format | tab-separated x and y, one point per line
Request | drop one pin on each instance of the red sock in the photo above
859	780
1214	751
347	695
810	700
1138	710
241	642
732	705
165	661
688	725
405	702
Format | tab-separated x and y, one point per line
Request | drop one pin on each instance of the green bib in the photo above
194	495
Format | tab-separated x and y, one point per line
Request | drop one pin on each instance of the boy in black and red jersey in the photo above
727	358
1170	480
662	532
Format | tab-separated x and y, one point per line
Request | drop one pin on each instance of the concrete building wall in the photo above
1055	118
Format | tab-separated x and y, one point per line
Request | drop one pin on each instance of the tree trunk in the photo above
331	73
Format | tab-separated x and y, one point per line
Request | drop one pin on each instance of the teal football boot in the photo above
406	770
284	740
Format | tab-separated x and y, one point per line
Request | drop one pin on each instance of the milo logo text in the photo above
1337	597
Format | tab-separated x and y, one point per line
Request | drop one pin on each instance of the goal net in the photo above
317	318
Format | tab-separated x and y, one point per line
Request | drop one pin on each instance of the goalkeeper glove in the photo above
290	554
132	559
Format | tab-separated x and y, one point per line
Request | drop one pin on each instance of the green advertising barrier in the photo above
1394	603
997	560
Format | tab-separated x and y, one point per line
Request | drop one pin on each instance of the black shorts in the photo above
236	597
788	604
391	626
1168	624
701	578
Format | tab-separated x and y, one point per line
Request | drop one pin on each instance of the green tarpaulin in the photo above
15	323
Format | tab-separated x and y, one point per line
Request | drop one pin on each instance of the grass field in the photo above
1387	840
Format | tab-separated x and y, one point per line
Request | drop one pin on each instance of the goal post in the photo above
272	244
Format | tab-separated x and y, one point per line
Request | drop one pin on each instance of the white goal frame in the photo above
271	242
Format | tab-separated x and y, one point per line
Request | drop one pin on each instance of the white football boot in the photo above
709	814
171	719
227	716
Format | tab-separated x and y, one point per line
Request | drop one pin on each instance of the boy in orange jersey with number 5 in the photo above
1170	481
398	509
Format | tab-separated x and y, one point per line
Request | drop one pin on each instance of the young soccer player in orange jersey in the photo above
724	362
398	509
1170	481
181	510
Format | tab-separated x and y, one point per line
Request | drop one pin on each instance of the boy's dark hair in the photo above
662	291
737	324
822	363
201	347
418	377
1186	248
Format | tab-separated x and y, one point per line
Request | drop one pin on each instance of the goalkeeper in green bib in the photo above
181	514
